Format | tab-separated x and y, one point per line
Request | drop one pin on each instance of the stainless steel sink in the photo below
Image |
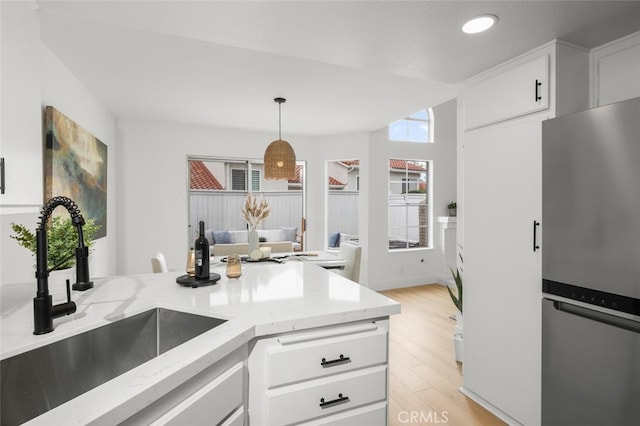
41	379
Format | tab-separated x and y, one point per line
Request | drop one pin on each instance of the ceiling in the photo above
344	66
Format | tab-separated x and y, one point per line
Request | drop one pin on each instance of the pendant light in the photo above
279	158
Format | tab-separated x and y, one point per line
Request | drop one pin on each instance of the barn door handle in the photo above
535	235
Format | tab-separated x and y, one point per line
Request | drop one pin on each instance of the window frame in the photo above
404	230
429	120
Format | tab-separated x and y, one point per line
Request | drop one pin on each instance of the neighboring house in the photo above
406	176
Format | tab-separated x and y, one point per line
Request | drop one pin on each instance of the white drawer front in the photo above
236	419
317	358
371	415
210	404
326	396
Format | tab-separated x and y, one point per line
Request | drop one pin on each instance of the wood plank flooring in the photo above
423	375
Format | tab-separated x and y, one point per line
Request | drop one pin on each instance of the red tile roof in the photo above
298	178
402	165
334	181
351	162
201	177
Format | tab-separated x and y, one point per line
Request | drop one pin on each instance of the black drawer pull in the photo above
341	400
342	360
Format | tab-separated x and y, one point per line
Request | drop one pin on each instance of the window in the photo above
409	212
238	180
418	127
256	179
217	191
343	199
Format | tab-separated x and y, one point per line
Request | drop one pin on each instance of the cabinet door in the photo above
515	92
20	112
502	275
210	404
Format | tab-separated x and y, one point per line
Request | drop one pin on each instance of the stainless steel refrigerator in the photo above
591	267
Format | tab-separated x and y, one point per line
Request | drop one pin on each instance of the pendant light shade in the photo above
279	158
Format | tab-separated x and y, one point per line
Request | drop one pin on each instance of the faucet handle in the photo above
67	308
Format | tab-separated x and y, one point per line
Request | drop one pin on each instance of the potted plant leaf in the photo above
62	237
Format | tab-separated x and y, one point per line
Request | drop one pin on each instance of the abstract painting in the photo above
75	166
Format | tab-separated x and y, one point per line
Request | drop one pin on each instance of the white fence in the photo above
220	210
343	212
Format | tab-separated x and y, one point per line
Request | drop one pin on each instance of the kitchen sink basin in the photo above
38	380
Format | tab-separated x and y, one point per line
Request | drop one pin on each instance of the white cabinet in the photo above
210	404
315	375
514	92
502	197
616	70
214	396
20	113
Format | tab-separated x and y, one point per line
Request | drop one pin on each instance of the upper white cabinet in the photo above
616	70
512	92
20	116
501	201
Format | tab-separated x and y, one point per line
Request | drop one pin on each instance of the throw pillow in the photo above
334	240
289	234
221	237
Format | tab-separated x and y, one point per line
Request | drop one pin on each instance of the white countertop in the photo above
268	298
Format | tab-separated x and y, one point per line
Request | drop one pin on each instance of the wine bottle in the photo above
202	255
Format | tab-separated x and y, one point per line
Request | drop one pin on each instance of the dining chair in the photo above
158	263
352	254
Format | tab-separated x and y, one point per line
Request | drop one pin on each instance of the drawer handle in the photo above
342	360
340	400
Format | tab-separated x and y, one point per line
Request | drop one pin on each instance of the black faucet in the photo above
43	309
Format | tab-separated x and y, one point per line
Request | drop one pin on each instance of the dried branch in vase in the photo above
254	212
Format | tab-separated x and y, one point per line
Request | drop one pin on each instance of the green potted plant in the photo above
453	208
62	237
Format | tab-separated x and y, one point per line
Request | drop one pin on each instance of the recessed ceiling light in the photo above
479	24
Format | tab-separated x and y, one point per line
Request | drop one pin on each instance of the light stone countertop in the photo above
268	298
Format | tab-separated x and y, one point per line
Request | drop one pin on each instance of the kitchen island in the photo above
276	314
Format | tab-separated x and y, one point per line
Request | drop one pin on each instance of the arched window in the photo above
418	127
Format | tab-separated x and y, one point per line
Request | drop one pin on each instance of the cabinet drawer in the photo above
326	396
371	415
294	362
236	419
211	403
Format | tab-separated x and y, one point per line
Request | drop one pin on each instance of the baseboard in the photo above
489	407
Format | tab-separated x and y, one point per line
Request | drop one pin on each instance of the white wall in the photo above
62	90
152	183
411	267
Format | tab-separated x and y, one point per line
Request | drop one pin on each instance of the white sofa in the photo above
242	237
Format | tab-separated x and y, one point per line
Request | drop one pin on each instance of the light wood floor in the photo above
423	375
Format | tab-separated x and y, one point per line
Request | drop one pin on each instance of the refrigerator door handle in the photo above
600	317
536	246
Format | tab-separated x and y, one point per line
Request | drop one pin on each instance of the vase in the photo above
458	338
254	241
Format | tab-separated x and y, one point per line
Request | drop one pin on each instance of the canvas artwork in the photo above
75	164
